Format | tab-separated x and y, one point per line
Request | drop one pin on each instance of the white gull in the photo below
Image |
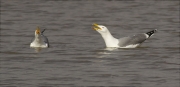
40	40
124	42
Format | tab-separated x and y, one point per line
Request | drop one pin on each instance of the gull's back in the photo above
132	40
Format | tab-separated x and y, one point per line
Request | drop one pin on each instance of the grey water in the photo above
77	55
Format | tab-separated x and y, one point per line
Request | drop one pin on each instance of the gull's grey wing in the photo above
45	39
132	40
136	39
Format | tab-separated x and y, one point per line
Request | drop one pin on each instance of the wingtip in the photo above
150	33
155	30
43	31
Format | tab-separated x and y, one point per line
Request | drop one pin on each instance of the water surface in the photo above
77	55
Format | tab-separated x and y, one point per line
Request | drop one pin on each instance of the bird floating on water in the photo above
40	40
124	42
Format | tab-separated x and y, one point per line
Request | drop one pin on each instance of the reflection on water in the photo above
106	52
111	48
37	49
77	56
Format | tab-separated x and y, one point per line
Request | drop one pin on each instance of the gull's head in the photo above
100	28
37	31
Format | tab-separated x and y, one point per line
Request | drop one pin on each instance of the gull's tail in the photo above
150	33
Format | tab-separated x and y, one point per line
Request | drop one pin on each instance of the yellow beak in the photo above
96	27
37	30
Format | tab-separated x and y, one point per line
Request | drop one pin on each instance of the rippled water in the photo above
77	55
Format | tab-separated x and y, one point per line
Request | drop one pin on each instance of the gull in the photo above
124	42
40	40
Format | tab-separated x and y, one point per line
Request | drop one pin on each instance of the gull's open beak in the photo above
37	30
96	27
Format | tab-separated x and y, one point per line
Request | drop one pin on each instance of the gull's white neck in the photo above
37	38
38	42
110	41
